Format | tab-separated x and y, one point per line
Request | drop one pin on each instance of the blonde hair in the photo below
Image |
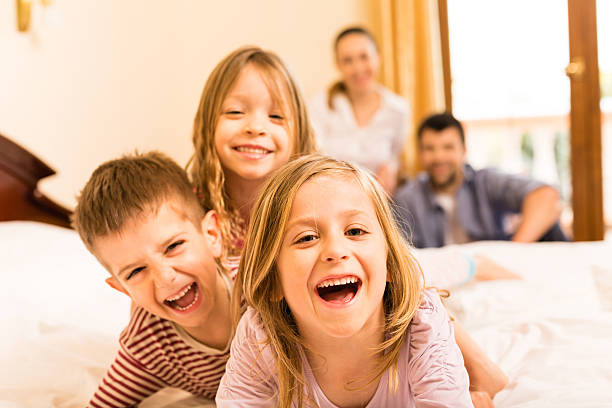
120	190
205	167
258	279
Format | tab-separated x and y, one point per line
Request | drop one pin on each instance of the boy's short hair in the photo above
122	189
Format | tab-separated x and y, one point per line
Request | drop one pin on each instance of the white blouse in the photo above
339	135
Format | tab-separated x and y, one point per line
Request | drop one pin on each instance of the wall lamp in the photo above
24	12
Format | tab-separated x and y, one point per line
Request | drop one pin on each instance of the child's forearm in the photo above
481	399
484	374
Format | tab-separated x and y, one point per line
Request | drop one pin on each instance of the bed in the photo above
20	197
550	332
60	322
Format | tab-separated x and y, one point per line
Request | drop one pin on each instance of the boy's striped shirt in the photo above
156	353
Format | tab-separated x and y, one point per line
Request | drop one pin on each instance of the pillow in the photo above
50	277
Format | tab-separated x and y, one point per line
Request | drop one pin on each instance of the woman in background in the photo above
358	119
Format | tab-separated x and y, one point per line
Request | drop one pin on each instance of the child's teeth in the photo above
189	305
180	295
333	282
250	150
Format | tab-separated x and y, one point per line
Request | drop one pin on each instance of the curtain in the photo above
412	66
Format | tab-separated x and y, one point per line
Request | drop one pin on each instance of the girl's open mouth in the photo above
339	290
184	300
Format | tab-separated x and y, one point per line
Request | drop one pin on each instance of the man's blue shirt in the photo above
482	201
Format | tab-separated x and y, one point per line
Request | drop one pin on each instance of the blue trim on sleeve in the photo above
472	271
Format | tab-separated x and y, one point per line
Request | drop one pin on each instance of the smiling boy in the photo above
139	216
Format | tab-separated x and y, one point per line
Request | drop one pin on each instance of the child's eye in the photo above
233	112
134	272
277	117
306	238
174	245
355	232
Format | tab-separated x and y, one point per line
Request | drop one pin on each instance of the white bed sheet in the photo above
60	321
551	332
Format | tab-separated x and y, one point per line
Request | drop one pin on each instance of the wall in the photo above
93	80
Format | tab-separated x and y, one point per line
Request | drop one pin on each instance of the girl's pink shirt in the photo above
430	366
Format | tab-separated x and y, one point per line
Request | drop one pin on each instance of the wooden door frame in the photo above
585	119
585	115
445	48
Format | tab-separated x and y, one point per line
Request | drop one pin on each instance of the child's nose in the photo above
163	276
255	126
334	250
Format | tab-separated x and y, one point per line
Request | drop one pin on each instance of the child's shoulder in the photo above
431	322
428	338
142	324
251	326
431	300
251	334
251	342
251	368
231	265
431	360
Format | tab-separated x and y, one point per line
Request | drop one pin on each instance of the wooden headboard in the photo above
20	198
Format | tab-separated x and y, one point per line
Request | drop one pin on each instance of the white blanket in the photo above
551	332
60	321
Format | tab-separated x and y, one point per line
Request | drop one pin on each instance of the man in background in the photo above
451	203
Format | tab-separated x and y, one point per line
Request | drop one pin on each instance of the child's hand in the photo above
481	399
486	270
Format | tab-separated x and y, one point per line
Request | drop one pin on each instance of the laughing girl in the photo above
337	315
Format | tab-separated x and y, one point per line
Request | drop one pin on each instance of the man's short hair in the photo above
122	189
439	122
